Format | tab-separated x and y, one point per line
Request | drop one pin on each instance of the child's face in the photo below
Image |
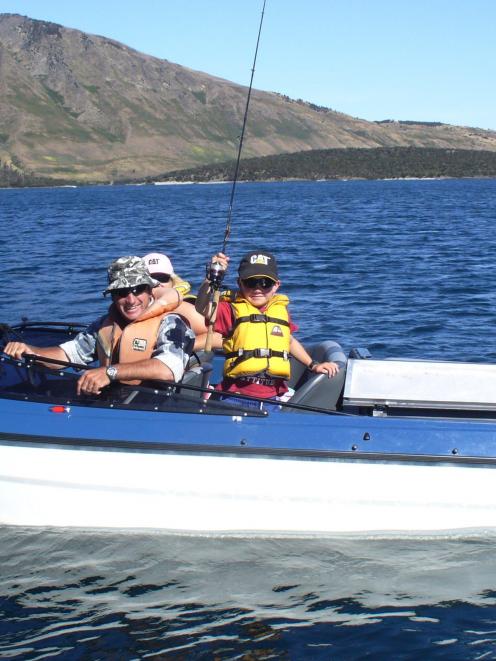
258	290
165	283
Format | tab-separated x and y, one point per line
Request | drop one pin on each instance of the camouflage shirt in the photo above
174	344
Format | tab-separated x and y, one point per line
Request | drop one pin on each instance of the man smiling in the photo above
138	339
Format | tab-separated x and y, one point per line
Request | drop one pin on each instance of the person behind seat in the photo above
161	269
257	331
137	339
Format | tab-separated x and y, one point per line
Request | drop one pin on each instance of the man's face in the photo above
131	302
258	290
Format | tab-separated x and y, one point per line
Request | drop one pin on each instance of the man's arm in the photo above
174	345
92	381
17	349
201	339
169	298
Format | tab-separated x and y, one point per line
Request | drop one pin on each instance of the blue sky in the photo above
429	60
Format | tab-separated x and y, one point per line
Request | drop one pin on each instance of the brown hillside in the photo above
79	106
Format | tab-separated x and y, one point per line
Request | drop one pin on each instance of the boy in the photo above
257	332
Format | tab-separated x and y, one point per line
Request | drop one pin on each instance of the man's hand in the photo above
92	381
16	349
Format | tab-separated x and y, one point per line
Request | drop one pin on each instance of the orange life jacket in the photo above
133	342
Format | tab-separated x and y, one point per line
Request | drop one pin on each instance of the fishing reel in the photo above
215	274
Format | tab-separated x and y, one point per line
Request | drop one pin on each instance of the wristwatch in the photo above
111	372
312	365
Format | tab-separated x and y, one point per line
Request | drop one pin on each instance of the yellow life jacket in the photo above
136	341
259	341
182	286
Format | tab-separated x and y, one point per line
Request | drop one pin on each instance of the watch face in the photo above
111	373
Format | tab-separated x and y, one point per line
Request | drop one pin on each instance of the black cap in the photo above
258	262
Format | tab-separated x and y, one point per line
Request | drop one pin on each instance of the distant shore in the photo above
239	182
339	164
397	163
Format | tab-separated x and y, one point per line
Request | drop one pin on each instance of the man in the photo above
136	340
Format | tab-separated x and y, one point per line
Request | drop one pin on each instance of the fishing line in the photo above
236	170
215	271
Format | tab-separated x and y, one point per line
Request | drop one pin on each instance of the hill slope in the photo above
83	107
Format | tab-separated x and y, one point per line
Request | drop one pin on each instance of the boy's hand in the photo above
217	269
220	258
331	369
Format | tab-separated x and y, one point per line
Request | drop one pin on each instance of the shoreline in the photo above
280	180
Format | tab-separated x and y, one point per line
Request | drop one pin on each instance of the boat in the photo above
384	447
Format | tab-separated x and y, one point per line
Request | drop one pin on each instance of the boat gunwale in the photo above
99	445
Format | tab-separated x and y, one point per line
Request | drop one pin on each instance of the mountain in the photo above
80	107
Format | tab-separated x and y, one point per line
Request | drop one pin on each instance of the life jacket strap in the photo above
260	318
245	354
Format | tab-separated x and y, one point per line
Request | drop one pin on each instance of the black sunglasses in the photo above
161	277
258	283
125	291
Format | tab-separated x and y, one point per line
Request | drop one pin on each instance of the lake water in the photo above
402	267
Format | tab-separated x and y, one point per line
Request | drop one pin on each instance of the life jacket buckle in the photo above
257	318
262	353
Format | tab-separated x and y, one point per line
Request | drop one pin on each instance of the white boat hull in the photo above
50	486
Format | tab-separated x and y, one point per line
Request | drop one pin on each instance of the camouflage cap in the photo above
128	272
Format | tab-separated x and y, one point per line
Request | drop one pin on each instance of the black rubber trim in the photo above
243	448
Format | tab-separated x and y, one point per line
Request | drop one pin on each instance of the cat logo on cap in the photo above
259	259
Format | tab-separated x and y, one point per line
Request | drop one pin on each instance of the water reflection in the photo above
72	588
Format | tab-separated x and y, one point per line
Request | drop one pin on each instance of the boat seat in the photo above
198	369
197	375
320	392
317	389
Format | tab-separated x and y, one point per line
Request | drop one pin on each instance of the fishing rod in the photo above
216	272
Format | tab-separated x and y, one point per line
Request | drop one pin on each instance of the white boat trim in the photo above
205	493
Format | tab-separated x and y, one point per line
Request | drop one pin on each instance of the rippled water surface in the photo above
403	267
103	595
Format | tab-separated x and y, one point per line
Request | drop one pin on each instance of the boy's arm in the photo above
202	303
297	350
203	298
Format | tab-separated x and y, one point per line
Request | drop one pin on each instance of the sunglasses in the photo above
125	291
161	277
258	283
